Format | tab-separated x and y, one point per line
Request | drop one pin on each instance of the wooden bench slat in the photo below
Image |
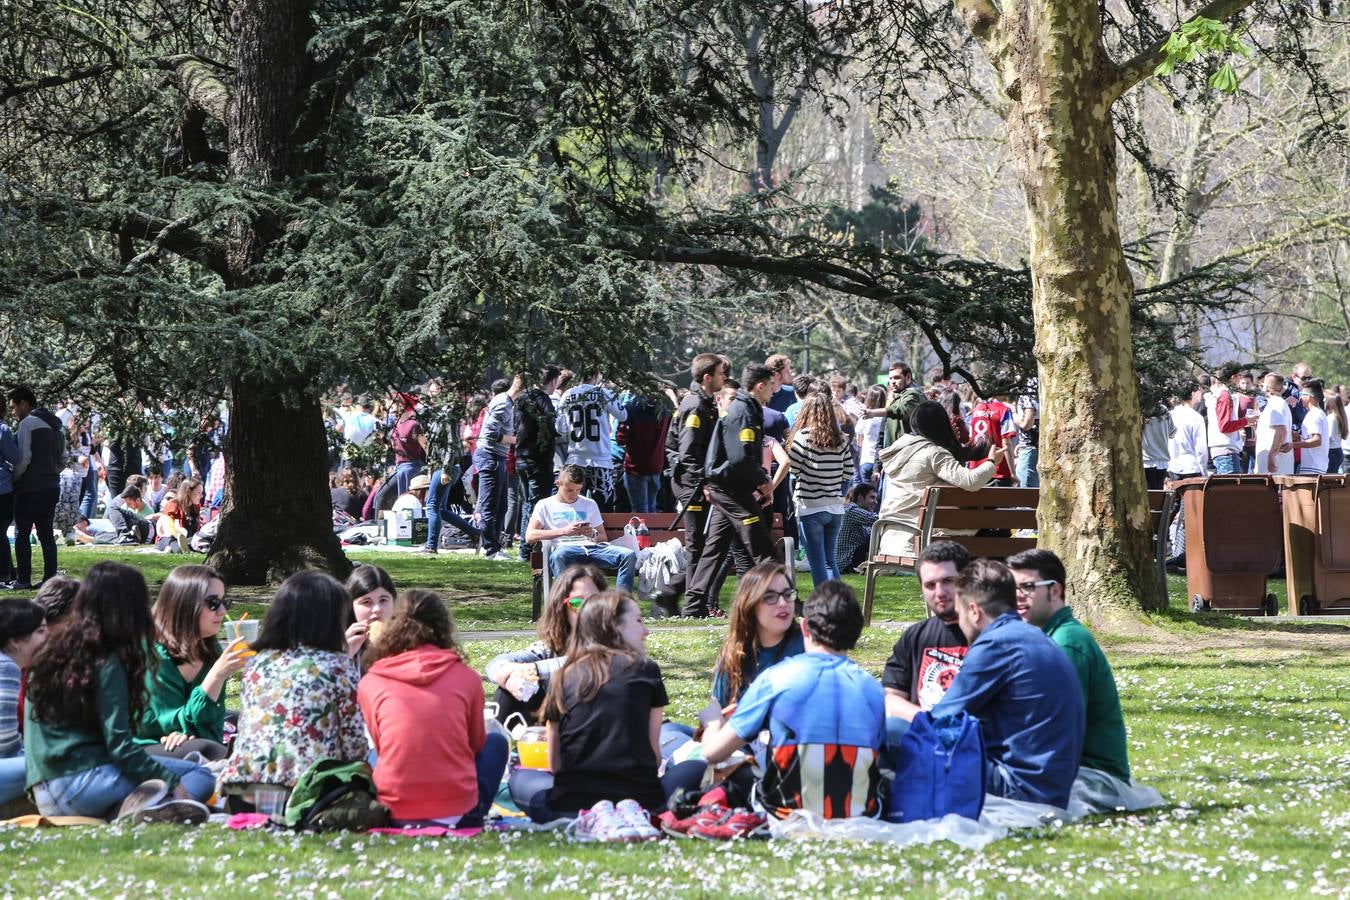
947	519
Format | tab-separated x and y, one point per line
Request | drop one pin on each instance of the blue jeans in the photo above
642	491
89	492
491	505
820	533
97	792
438	511
13	774
1335	457
405	472
1226	464
619	558
1027	475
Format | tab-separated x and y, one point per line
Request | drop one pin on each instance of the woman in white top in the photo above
1338	429
821	463
1313	441
870	431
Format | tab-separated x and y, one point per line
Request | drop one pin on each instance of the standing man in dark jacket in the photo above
536	439
37	483
686	450
737	485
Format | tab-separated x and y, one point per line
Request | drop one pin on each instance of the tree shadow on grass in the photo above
1220	621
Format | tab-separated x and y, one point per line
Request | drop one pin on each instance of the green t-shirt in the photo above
1104	742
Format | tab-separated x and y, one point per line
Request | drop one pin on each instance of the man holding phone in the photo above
574	524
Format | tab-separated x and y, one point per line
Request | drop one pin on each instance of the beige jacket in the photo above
911	464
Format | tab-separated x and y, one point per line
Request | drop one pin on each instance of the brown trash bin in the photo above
1233	529
1317	543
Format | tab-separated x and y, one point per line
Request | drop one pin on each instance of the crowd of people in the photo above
114	708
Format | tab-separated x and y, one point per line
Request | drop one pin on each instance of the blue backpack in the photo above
941	769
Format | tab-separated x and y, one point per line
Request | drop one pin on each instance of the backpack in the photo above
333	795
941	769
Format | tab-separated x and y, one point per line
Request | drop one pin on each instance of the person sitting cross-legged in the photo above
574	524
1020	686
1040	602
825	717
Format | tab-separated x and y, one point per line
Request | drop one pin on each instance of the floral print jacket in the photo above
299	706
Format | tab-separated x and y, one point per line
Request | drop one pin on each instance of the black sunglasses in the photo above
216	604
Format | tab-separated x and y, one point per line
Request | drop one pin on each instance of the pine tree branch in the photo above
1135	70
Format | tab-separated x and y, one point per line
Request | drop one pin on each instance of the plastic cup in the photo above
246	629
270	801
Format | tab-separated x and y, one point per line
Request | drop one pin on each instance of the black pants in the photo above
1154	478
736	516
35	508
695	530
507	704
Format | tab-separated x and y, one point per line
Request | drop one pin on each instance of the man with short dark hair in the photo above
495	441
925	660
905	395
1039	575
130	517
37	483
824	714
1020	686
737	486
686	450
1224	421
536	441
783	394
855	532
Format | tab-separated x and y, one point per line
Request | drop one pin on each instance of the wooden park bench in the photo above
661	526
946	509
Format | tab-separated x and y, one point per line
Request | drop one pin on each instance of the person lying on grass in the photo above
604	711
523	676
86	687
187	688
423	706
825	717
298	697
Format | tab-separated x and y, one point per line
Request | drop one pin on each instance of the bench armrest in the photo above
880	527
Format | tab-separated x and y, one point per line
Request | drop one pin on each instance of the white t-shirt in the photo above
1187	450
869	438
583	424
1313	460
552	513
1274	415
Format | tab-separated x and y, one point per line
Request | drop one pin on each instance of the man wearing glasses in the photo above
1040	602
1022	689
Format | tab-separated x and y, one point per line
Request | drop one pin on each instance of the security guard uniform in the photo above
686	449
734	469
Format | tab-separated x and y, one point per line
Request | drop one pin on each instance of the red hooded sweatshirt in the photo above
424	710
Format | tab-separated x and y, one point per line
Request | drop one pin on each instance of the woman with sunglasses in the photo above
522	677
186	713
763	631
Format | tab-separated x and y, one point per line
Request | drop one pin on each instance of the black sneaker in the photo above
146	794
173	812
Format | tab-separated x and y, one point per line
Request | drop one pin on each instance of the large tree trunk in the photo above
278	513
1093	508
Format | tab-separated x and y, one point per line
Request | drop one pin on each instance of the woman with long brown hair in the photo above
423	707
821	465
762	631
86	688
603	711
523	676
184	509
186	713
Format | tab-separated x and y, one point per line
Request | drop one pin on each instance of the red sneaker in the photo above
741	824
708	815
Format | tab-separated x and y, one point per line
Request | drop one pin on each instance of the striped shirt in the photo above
11	742
819	475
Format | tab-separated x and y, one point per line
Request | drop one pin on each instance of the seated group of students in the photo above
120	711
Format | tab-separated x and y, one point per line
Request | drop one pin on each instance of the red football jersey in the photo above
992	421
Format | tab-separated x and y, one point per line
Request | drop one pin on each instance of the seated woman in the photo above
763	631
372	593
184	507
298	696
423	706
85	689
23	628
930	455
522	677
604	713
187	688
346	493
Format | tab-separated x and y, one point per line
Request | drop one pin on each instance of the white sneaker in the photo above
501	556
636	818
602	823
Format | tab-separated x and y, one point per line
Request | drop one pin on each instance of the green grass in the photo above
1245	730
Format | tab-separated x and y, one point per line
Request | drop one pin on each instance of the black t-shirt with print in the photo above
925	661
605	746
